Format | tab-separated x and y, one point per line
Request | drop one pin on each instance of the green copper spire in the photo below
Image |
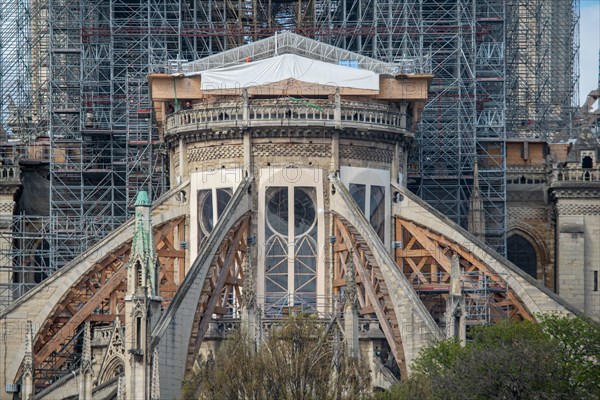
142	199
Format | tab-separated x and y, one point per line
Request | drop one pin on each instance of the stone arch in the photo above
539	247
115	366
521	252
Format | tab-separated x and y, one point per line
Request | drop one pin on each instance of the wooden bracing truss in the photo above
424	257
373	296
221	294
98	297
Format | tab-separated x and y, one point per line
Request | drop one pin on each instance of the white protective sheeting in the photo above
288	66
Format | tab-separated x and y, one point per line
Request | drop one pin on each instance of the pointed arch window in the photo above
371	201
522	253
211	205
291	249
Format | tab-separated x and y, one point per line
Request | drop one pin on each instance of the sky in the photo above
589	45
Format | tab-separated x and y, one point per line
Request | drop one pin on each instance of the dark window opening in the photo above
521	253
138	333
138	273
457	326
595	281
587	162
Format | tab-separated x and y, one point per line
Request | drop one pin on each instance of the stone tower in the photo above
142	303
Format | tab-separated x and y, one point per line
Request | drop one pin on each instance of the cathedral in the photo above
288	173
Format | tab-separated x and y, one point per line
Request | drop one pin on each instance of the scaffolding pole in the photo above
542	67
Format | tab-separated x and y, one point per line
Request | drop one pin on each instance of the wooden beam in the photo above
429	245
396	347
69	328
466	257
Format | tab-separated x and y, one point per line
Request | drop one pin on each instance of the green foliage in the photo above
578	352
417	386
559	358
298	361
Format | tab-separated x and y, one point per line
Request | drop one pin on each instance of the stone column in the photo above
455	305
9	183
337	113
578	243
27	386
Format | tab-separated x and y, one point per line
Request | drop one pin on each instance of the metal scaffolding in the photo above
76	71
542	65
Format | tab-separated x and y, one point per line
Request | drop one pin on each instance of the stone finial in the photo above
455	287
86	355
351	293
86	379
476	217
249	293
155	384
351	309
142	199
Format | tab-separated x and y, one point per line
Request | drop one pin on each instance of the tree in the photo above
578	352
558	358
301	360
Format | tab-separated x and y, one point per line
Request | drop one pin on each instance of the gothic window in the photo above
359	194
211	205
377	213
291	249
205	211
373	197
521	253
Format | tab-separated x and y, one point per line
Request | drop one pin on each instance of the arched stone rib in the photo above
417	327
173	332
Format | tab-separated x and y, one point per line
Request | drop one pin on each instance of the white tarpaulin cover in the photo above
288	66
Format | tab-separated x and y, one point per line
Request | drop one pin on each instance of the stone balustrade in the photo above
287	112
526	174
10	172
577	175
102	335
222	327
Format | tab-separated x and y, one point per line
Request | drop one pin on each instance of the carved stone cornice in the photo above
578	209
575	190
288	132
9	186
